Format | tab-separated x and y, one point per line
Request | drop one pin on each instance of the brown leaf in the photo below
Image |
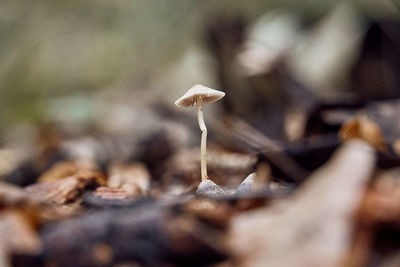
133	178
365	129
313	227
18	235
65	169
381	202
64	191
11	195
114	193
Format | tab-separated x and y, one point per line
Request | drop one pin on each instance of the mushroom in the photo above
200	95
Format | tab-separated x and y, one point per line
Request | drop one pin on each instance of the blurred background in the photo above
102	168
115	67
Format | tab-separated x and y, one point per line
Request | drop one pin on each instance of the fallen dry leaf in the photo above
11	195
113	193
132	178
365	129
63	191
314	226
18	235
65	169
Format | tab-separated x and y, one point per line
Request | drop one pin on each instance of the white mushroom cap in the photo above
199	91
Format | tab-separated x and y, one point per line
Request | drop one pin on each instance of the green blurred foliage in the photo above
52	48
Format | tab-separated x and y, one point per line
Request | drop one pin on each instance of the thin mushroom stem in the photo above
203	148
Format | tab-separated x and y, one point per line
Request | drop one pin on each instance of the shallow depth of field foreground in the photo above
199	133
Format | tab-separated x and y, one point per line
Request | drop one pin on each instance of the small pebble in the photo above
248	185
208	188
